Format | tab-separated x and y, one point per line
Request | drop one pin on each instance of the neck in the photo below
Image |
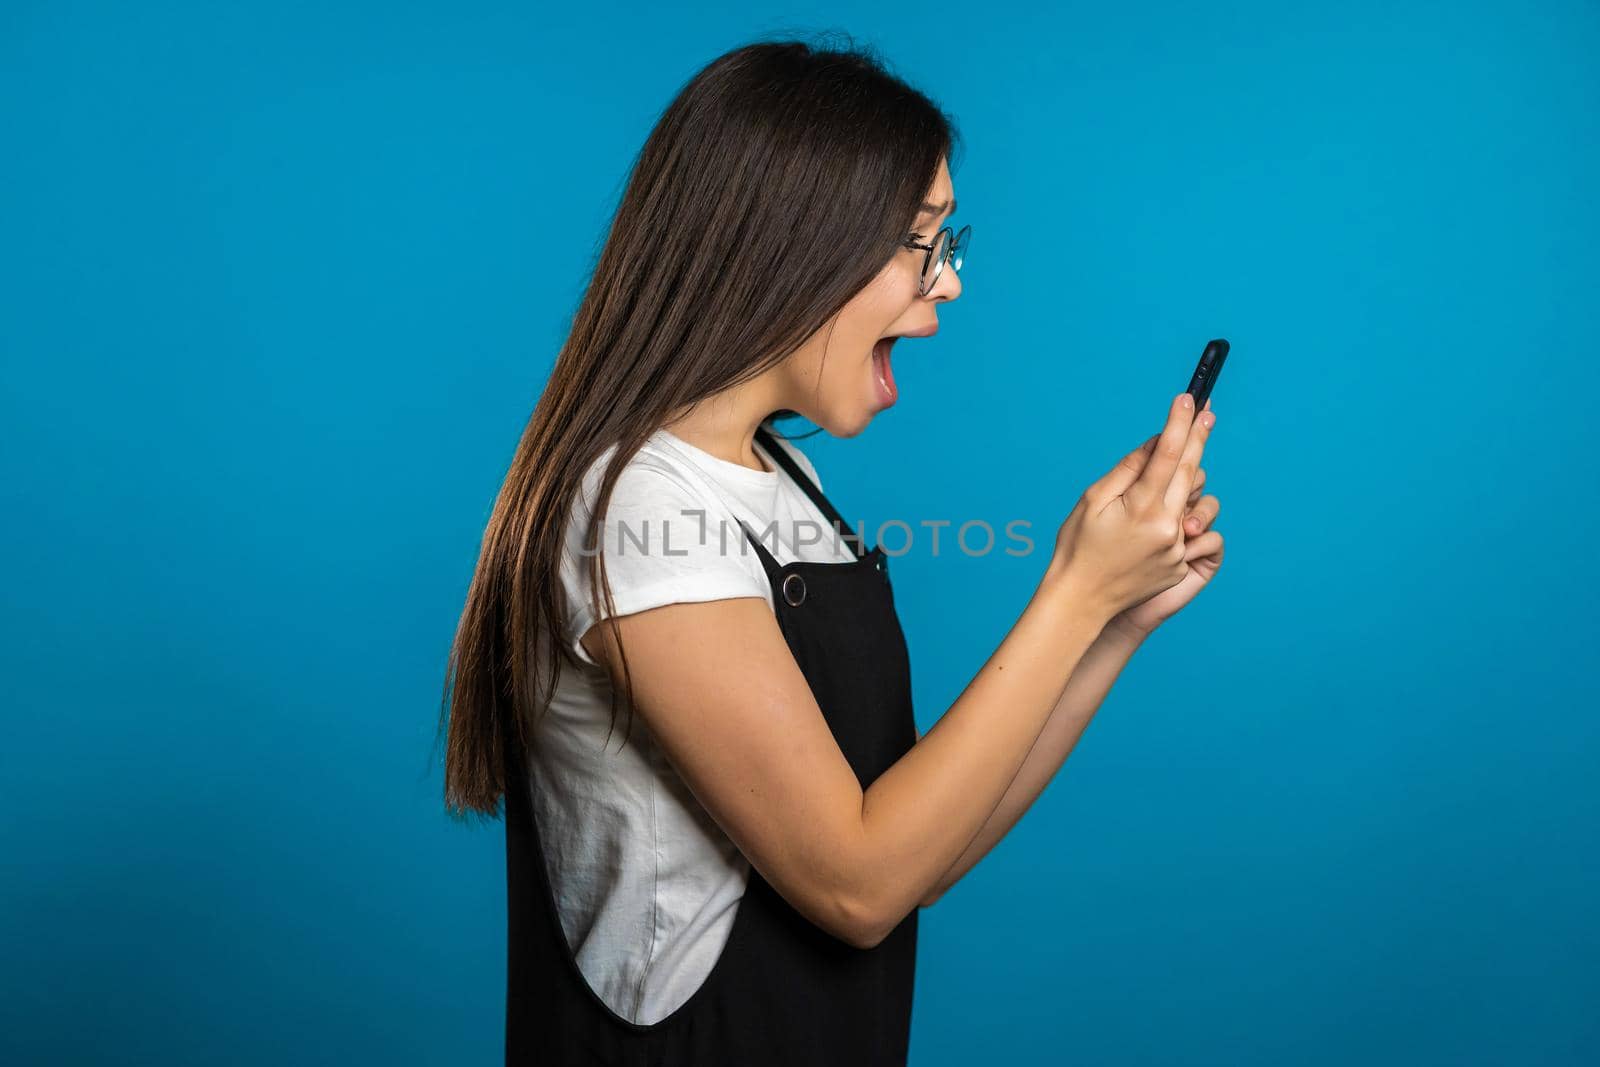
725	425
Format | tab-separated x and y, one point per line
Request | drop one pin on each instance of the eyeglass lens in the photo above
941	250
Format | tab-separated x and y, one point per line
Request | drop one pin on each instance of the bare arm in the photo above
1085	691
725	699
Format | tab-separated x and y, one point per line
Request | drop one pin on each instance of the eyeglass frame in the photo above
965	234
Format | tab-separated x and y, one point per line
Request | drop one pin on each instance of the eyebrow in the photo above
936	209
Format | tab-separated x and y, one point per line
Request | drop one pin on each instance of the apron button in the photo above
794	590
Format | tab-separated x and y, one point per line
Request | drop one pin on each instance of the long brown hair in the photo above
773	188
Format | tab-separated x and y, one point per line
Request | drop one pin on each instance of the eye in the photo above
917	237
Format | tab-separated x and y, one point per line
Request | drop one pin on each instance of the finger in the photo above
1151	485
1207	544
1188	466
1199	481
1115	482
1201	516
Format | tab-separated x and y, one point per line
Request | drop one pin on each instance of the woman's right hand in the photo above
1123	541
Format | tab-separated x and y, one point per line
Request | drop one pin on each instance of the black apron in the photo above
783	991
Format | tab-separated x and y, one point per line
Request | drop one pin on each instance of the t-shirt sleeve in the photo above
664	543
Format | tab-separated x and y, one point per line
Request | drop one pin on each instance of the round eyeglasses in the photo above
944	246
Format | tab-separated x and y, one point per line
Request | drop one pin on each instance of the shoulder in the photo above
662	519
666	538
652	481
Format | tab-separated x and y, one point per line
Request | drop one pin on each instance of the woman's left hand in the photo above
1203	551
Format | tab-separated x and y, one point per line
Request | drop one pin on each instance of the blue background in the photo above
283	281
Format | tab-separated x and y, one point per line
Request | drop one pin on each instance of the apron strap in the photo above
787	462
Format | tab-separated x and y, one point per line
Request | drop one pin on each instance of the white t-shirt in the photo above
646	883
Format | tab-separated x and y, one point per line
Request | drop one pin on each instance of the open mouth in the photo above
882	369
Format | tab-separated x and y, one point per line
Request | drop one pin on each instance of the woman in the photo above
737	880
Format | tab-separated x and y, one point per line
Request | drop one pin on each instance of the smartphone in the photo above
1206	372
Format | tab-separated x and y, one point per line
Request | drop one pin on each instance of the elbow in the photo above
858	923
864	903
841	912
864	925
870	936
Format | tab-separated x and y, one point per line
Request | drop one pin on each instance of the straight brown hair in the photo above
776	185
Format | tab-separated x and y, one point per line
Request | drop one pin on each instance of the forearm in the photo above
1083	695
922	814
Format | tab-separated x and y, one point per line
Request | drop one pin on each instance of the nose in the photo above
948	285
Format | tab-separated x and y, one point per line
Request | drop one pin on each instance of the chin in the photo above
835	426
